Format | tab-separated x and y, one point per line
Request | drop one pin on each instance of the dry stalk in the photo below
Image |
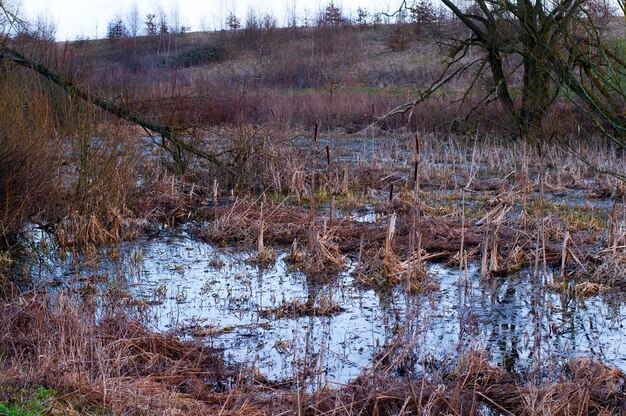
264	255
323	256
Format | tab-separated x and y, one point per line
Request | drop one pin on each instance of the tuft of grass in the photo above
297	309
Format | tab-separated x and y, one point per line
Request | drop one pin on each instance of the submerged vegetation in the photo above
232	142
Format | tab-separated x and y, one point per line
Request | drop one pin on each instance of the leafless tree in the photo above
332	16
292	15
556	47
361	16
175	18
9	22
116	29
133	20
163	31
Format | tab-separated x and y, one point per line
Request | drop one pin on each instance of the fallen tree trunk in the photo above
168	133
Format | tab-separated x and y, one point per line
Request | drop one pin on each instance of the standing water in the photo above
189	287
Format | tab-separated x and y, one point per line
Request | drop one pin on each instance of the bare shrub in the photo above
31	154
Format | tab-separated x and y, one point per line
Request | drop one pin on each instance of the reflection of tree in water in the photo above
504	318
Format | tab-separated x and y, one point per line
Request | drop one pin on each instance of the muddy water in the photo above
178	284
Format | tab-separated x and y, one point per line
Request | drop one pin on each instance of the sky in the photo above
76	19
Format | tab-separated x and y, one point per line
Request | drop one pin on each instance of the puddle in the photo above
356	149
180	282
366	215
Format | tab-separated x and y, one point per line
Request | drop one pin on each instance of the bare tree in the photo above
361	16
252	20
175	18
133	20
422	13
10	23
163	31
269	22
292	15
332	15
556	47
44	28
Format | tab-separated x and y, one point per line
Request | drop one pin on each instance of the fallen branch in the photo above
168	133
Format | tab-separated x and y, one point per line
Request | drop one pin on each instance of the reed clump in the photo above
297	309
611	271
238	223
582	386
381	268
323	257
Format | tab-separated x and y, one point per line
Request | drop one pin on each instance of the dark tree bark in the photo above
562	51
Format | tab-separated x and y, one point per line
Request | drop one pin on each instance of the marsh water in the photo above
179	284
176	283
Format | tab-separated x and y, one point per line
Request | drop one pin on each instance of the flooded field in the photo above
176	283
465	280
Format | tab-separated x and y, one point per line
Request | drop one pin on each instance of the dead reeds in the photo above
115	361
322	257
297	309
117	365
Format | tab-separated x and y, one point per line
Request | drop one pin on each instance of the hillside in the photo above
342	77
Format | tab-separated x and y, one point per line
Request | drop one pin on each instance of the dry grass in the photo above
30	150
119	367
98	187
297	309
611	270
115	361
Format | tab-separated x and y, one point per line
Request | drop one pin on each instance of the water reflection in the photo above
215	293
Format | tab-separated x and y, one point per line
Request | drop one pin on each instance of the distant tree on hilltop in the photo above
116	29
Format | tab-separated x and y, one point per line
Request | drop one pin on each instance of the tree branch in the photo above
168	133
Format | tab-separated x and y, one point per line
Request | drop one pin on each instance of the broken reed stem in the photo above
472	171
215	191
539	217
314	153
331	219
493	264
261	244
461	250
391	229
564	256
484	270
360	259
613	230
415	239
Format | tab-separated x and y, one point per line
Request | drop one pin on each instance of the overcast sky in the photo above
89	18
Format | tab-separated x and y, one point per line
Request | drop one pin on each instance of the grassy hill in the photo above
342	76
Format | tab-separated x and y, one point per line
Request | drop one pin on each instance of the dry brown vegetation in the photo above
115	365
91	180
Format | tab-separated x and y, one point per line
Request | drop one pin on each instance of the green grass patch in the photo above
39	402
